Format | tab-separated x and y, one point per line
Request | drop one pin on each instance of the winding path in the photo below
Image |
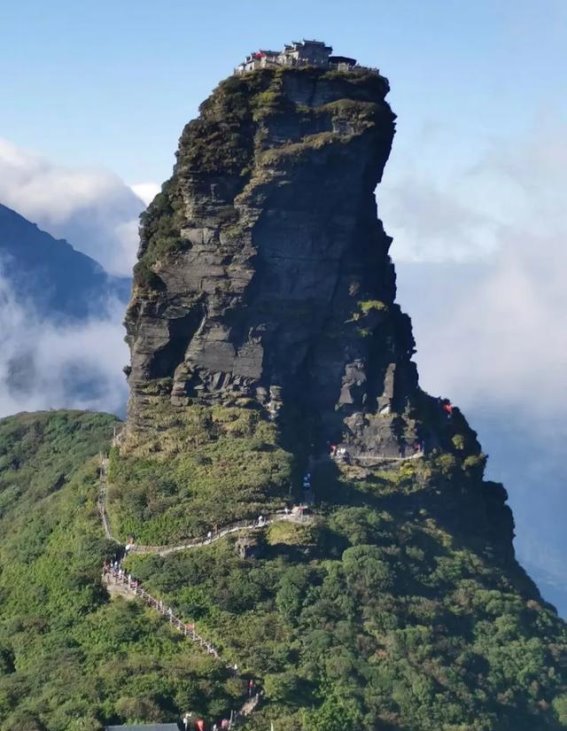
296	515
116	576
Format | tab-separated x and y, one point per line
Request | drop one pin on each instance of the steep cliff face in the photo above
264	271
264	284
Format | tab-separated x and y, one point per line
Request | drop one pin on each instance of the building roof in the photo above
307	43
342	59
145	727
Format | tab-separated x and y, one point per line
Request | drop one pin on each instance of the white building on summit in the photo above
298	53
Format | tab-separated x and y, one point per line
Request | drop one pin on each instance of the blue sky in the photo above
111	83
94	97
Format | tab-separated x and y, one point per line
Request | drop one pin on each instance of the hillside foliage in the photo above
70	659
376	615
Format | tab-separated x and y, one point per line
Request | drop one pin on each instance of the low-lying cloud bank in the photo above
45	366
492	328
92	208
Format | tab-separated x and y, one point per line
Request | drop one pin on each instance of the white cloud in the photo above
93	209
496	330
44	366
435	224
146	191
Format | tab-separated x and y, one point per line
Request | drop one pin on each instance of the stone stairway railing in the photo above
217	535
101	501
116	574
132	586
119	576
373	460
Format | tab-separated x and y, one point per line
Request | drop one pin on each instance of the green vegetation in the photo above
381	613
70	659
196	469
375	622
294	151
161	224
368	316
367	306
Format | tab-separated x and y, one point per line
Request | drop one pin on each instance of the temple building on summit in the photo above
297	53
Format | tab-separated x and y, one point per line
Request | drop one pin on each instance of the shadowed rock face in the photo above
264	270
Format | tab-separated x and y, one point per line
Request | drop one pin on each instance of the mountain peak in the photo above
265	282
271	367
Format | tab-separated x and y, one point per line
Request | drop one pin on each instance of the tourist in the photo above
447	407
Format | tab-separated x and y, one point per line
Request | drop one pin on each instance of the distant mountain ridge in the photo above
60	282
52	296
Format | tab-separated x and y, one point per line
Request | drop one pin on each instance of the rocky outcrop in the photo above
264	271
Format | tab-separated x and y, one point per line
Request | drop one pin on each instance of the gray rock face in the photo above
273	281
